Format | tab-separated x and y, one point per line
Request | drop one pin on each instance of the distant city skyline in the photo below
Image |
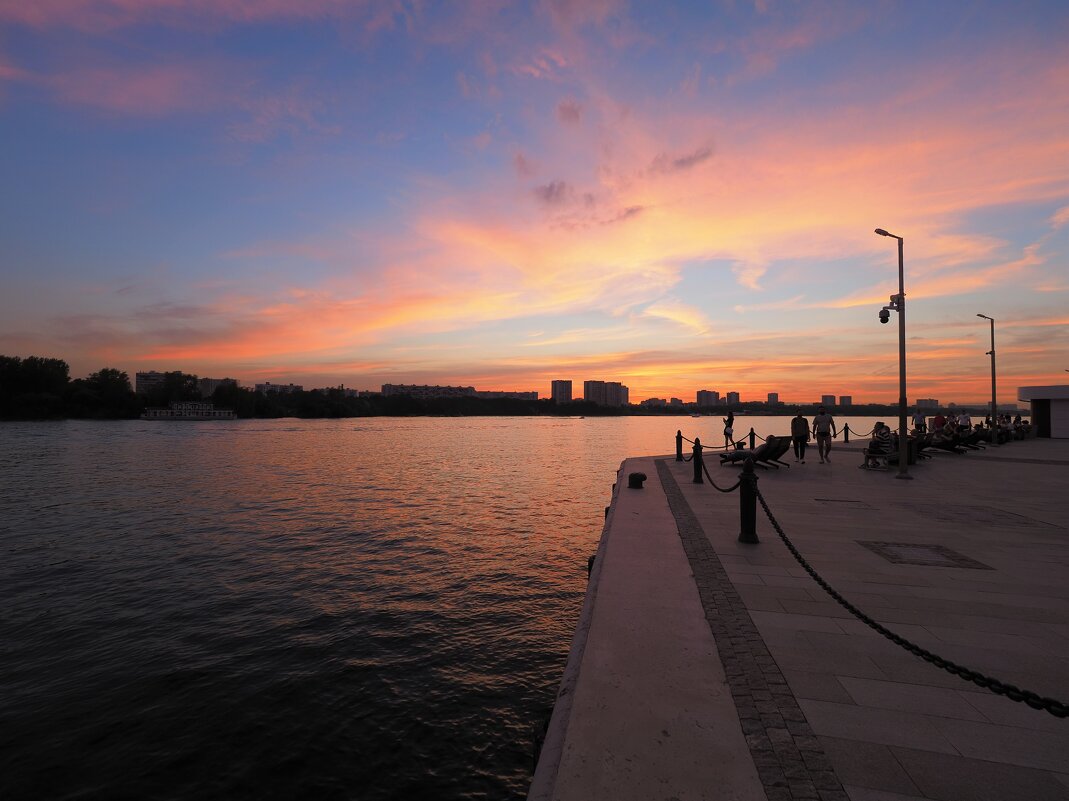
670	197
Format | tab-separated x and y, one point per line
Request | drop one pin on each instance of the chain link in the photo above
1014	693
720	489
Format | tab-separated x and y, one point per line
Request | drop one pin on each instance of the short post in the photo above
753	440
697	458
748	504
679	446
846	434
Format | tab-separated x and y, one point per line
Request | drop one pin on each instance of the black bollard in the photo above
697	458
748	504
634	480
846	434
753	440
679	446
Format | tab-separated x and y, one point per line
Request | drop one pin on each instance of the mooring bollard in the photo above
697	458
679	446
748	504
846	434
753	440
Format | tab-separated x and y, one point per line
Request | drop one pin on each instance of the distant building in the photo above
209	385
147	381
732	398
846	400
606	393
514	395
827	400
561	391
282	389
427	391
345	393
653	403
676	402
927	403
707	398
773	398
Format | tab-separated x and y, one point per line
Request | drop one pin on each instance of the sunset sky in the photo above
678	196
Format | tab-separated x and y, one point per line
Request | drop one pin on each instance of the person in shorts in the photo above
729	429
824	428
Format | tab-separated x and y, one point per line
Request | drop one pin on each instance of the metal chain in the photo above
718	488
1014	693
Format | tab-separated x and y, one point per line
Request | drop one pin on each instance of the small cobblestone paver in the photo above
789	757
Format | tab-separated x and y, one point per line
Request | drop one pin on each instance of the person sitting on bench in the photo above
879	447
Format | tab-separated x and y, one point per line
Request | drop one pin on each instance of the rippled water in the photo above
371	609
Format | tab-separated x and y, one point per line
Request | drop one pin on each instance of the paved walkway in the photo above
969	560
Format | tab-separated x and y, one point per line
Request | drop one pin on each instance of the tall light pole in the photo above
898	303
994	403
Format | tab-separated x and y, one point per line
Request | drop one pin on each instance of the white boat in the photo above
188	410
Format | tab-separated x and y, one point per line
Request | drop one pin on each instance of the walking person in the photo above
920	425
729	429
799	436
824	428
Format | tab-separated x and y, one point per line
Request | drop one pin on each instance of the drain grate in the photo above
913	553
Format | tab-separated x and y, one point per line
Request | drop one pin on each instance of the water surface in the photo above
361	608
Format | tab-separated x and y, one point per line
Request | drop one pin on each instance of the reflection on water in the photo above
363	609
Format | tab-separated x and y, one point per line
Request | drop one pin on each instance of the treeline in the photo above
38	388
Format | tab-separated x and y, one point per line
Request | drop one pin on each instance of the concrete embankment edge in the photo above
545	776
645	709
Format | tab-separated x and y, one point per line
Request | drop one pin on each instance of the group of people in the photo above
801	432
824	428
951	426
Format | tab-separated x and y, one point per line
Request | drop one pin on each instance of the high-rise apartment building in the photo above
846	400
147	381
209	385
773	398
733	398
606	393
707	398
561	391
281	389
827	400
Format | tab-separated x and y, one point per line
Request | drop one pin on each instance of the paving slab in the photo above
708	668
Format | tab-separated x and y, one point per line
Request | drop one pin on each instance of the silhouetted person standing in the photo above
729	429
799	436
824	427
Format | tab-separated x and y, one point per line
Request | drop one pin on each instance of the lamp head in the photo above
882	232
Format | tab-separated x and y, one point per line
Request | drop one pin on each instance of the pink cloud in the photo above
148	91
569	112
98	15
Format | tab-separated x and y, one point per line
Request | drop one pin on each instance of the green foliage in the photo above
32	388
175	388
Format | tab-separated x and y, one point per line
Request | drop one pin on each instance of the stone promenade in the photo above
703	668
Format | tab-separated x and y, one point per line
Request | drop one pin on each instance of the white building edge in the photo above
1050	409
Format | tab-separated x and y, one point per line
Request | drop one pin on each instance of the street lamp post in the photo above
898	303
994	403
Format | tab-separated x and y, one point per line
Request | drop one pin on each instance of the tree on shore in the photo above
32	388
105	394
